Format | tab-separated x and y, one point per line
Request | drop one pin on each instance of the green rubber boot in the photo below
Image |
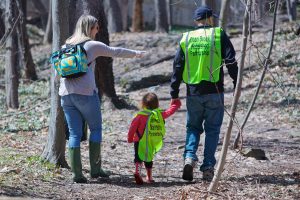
76	166
95	161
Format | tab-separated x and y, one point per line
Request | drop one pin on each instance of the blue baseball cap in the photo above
203	12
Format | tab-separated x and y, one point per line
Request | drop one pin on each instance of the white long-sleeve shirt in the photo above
86	85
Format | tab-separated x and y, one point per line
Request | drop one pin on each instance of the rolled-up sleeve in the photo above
228	55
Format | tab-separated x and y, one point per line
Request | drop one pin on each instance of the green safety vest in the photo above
203	58
152	139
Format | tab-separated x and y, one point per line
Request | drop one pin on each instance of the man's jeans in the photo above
204	114
78	108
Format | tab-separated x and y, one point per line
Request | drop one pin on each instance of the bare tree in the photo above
104	65
2	25
169	13
123	5
260	9
11	67
213	185
161	18
212	4
114	16
38	4
266	65
223	13
137	17
24	46
48	31
291	6
54	150
74	14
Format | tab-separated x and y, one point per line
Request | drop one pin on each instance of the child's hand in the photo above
176	102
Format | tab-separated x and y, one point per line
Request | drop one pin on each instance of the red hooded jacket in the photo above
138	124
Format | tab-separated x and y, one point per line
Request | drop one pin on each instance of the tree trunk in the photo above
2	24
54	150
212	4
266	65
260	10
42	11
223	13
161	18
137	17
169	14
291	6
24	47
104	65
214	184
114	16
103	70
123	5
48	31
74	14
11	68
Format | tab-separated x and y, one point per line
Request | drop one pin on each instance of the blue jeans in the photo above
204	114
78	108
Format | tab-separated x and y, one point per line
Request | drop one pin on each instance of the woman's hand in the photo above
140	54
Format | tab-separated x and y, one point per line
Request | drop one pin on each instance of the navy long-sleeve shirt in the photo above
205	87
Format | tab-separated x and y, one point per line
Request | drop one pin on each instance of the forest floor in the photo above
273	127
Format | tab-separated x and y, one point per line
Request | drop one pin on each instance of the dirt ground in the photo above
273	127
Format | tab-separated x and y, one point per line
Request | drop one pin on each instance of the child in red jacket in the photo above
136	131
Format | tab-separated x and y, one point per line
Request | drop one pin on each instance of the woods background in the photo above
265	34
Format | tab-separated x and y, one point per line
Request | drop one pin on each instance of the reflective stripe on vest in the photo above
202	50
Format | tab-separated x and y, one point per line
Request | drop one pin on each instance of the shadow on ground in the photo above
276	179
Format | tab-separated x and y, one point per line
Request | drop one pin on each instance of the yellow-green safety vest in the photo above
202	50
152	139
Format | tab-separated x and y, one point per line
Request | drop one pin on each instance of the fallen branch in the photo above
25	111
160	60
7	118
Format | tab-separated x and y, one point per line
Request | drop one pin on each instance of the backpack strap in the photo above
80	44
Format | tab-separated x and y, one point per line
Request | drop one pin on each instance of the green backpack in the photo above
71	61
152	139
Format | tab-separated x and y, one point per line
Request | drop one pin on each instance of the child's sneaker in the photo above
138	179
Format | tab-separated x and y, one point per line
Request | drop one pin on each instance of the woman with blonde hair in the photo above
80	101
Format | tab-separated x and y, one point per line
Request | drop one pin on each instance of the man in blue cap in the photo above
199	62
